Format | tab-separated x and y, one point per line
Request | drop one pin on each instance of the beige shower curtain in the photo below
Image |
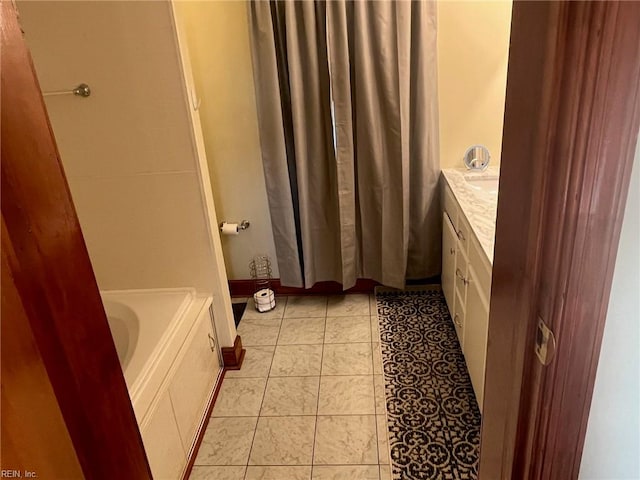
347	106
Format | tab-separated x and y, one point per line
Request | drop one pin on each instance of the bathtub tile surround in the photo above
433	417
478	206
322	410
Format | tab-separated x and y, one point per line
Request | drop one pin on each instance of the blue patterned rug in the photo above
433	417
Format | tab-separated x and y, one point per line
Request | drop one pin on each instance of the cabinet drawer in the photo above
450	205
458	318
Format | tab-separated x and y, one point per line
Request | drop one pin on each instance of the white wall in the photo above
612	443
127	149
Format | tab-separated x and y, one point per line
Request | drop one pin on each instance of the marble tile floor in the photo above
308	402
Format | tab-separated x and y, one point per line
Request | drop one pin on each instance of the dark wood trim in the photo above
571	124
55	281
232	357
203	428
520	204
598	117
24	415
246	288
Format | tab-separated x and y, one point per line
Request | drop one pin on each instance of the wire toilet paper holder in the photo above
260	270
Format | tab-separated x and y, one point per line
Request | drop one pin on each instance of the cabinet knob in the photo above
460	235
452	251
456	321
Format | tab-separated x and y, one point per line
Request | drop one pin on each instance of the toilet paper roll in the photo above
229	228
264	300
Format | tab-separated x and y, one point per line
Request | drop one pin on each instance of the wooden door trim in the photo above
53	276
571	124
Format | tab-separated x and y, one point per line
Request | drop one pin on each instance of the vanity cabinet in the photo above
466	284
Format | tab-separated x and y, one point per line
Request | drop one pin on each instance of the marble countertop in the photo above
479	206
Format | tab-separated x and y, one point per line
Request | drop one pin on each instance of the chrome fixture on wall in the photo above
82	90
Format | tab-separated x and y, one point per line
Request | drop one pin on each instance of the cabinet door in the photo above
475	333
194	379
162	442
448	261
458	319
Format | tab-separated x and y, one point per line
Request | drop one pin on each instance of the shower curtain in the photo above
347	110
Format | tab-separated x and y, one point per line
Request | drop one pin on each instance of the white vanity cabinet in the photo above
466	284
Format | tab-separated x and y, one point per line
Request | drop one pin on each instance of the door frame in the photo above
572	116
56	290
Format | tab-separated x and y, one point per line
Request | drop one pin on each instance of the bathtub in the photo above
148	329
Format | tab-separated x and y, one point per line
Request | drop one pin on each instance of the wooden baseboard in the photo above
232	357
246	288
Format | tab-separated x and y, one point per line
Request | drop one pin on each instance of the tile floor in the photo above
308	402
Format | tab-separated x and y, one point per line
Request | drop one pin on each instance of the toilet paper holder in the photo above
243	225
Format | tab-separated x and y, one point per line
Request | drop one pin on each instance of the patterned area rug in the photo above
433	417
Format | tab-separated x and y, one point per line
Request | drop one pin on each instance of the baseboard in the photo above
232	357
246	288
409	288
